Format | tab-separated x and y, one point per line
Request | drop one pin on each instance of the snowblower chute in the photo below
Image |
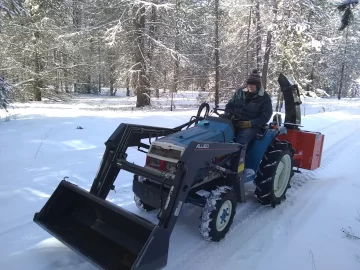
108	236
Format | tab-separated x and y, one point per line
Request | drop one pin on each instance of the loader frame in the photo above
197	155
125	136
90	212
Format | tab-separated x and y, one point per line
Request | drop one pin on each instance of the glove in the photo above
244	124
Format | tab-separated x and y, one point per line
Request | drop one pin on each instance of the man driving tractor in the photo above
254	107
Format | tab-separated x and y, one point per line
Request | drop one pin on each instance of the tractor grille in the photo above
161	165
168	153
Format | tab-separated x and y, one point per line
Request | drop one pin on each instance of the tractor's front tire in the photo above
274	174
141	205
218	213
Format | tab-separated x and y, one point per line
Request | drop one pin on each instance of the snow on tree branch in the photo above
13	7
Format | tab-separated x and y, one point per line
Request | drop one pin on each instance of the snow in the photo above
41	145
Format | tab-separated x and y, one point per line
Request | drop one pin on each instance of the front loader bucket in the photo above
103	233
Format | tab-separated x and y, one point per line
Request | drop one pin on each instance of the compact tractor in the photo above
197	163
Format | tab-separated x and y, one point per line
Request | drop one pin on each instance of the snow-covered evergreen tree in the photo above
159	46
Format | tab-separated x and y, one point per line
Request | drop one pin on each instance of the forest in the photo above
55	48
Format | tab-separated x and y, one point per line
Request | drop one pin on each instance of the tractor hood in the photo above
211	129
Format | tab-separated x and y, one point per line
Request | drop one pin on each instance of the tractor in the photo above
197	163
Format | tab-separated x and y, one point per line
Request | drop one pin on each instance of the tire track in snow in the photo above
250	219
345	142
24	221
326	127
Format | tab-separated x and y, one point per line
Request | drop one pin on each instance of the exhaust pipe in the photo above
104	234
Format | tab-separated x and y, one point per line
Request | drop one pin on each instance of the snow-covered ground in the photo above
41	145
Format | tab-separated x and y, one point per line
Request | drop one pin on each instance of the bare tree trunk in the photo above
38	83
268	47
247	41
258	34
128	87
355	91
266	58
57	82
280	98
99	66
66	71
341	79
165	80
177	37
177	58
140	81
112	80
90	81
151	48
217	56
77	21
310	86
112	69
343	66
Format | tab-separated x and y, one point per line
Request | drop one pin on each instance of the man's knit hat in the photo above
254	78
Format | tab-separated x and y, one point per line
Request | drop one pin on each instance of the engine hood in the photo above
211	129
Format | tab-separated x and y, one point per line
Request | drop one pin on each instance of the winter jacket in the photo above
256	107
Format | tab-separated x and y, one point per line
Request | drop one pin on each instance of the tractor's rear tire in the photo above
218	213
274	174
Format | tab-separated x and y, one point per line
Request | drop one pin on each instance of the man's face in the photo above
251	88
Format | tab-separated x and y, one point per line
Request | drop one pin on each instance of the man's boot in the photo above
245	172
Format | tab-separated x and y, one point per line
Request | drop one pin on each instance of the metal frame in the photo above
196	156
107	221
125	136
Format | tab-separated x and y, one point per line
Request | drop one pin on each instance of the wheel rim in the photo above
282	175
223	216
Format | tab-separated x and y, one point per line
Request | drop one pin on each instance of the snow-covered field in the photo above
41	145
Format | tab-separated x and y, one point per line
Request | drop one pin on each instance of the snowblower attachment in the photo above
108	236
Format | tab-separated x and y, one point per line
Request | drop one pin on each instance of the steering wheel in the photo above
203	106
198	116
227	113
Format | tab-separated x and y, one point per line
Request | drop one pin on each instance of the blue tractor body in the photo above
256	149
215	129
211	129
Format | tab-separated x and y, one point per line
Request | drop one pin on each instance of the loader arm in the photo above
125	136
111	237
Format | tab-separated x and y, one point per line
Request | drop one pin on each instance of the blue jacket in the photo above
256	108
